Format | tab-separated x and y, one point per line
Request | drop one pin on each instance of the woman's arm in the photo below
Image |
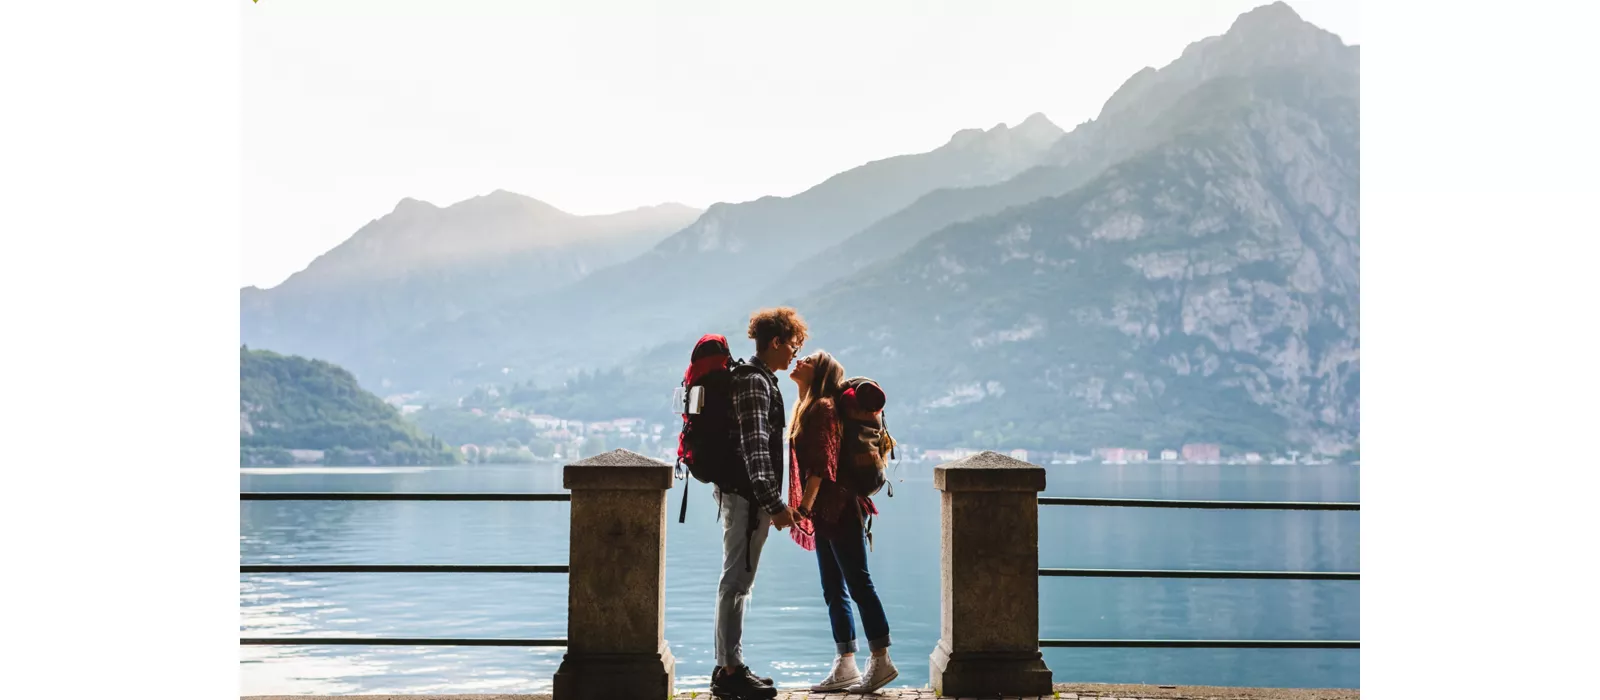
822	432
810	497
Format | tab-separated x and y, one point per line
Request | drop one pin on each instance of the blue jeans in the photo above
843	562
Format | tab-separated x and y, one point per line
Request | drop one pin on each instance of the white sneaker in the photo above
879	673
843	676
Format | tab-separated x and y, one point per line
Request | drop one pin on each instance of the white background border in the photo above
119	172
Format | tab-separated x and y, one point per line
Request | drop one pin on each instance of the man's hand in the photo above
784	518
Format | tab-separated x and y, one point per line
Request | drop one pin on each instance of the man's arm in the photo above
751	404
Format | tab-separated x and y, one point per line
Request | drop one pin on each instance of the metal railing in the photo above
401	568
1202	574
1043	500
374	496
1204	505
1191	573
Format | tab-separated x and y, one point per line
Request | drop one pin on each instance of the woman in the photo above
831	525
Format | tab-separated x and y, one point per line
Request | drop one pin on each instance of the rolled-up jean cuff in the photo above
845	647
878	644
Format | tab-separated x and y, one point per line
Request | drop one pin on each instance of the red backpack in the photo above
708	444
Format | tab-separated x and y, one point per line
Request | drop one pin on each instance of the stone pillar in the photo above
617	580
989	579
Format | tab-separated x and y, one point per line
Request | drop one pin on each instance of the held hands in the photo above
784	518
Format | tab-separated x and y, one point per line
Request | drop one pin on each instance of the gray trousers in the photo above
733	591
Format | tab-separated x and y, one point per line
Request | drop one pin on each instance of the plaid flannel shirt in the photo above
753	394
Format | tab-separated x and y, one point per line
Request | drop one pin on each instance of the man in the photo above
758	412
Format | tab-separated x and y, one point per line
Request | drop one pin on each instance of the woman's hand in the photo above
783	519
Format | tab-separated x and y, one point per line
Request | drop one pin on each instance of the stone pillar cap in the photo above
618	470
988	471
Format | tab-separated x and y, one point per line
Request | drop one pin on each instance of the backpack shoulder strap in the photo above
743	369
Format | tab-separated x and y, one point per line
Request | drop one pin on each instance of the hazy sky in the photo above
600	106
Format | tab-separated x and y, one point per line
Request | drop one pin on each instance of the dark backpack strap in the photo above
683	510
868	516
892	445
750	535
741	367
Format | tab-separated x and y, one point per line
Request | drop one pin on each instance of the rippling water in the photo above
786	630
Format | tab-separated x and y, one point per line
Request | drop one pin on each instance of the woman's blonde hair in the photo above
827	378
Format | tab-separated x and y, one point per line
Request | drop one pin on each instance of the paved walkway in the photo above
1064	691
1077	691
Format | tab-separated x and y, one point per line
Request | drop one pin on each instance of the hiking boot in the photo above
880	670
752	674
740	684
844	675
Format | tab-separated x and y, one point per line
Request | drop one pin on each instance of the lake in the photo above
786	630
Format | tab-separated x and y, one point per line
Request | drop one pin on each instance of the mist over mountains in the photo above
1182	268
423	264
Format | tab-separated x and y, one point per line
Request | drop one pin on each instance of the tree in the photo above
542	447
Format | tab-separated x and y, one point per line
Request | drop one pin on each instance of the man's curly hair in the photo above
782	323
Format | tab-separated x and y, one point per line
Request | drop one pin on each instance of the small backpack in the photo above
865	445
708	444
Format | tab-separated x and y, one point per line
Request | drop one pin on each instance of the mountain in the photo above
1205	290
614	312
1133	119
292	403
1182	268
422	263
1204	287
